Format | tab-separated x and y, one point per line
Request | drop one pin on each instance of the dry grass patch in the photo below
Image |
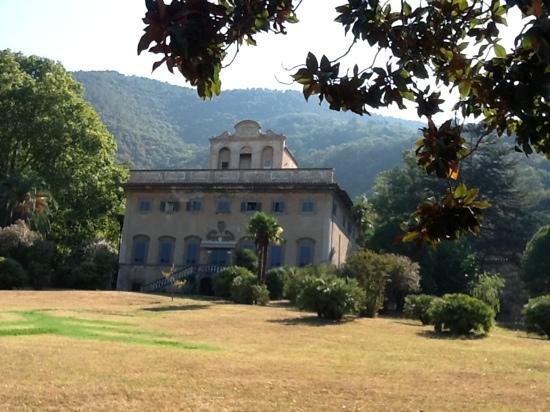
268	358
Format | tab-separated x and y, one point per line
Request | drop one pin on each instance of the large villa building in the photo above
193	217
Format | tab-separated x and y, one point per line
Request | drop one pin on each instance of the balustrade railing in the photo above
199	176
181	274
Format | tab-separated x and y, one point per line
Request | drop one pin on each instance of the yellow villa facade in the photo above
188	219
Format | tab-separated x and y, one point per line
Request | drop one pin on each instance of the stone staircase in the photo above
182	274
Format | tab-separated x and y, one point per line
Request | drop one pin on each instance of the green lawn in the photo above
121	351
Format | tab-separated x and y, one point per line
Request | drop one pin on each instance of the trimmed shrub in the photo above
418	306
95	267
15	239
246	258
245	289
537	315
488	288
40	263
12	274
224	279
404	279
329	296
275	282
261	294
461	314
293	283
536	263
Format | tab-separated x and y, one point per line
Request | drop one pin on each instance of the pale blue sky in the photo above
103	35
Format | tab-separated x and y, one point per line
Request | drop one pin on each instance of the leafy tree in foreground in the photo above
372	272
454	44
48	130
265	230
536	263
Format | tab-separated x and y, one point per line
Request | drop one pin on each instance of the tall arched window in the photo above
224	157
245	158
166	250
305	251
191	250
276	255
267	157
140	249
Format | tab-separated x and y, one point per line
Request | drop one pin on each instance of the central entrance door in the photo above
219	257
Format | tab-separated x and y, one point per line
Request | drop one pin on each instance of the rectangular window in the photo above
308	206
144	206
169	206
225	165
193	206
223	206
278	207
251	206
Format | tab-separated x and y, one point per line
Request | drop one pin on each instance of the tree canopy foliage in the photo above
454	44
55	146
514	190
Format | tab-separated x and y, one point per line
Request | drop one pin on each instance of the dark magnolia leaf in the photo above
157	64
311	62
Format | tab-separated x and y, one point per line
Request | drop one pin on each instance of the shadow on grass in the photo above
449	336
534	337
311	321
411	323
281	304
176	308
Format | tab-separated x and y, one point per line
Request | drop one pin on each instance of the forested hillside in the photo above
165	126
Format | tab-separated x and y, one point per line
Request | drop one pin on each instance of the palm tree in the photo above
24	198
265	230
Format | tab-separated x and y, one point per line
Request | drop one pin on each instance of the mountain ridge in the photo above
160	125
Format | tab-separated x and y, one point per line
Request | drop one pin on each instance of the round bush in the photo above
245	289
536	263
417	307
294	280
12	274
461	314
275	282
329	296
537	315
246	258
224	279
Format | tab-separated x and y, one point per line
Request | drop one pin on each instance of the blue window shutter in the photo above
243	206
192	254
166	252
162	206
276	256
259	206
